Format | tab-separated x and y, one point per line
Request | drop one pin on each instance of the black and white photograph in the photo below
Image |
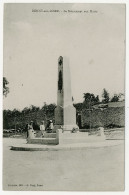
64	96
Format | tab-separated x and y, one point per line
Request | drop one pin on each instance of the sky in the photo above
94	42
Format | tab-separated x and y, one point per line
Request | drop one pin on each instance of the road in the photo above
100	169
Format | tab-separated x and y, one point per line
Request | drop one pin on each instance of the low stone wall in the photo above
48	139
78	138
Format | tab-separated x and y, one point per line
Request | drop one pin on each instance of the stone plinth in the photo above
69	118
58	115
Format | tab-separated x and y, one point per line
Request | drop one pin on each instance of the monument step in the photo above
49	135
45	141
44	138
39	134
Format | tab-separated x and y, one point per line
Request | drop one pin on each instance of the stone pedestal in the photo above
58	115
101	131
69	118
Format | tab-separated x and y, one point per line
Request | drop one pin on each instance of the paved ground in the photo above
100	169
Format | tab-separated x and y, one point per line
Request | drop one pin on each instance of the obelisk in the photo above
65	112
60	94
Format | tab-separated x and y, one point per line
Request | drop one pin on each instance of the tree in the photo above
51	107
97	99
34	108
105	96
25	110
115	98
90	100
121	97
5	119
15	112
5	88
78	106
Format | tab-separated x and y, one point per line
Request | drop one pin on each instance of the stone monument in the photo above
65	117
59	118
65	112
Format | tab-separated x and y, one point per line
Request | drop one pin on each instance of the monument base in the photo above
22	146
67	137
69	128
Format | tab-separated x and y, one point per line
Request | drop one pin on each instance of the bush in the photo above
111	126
